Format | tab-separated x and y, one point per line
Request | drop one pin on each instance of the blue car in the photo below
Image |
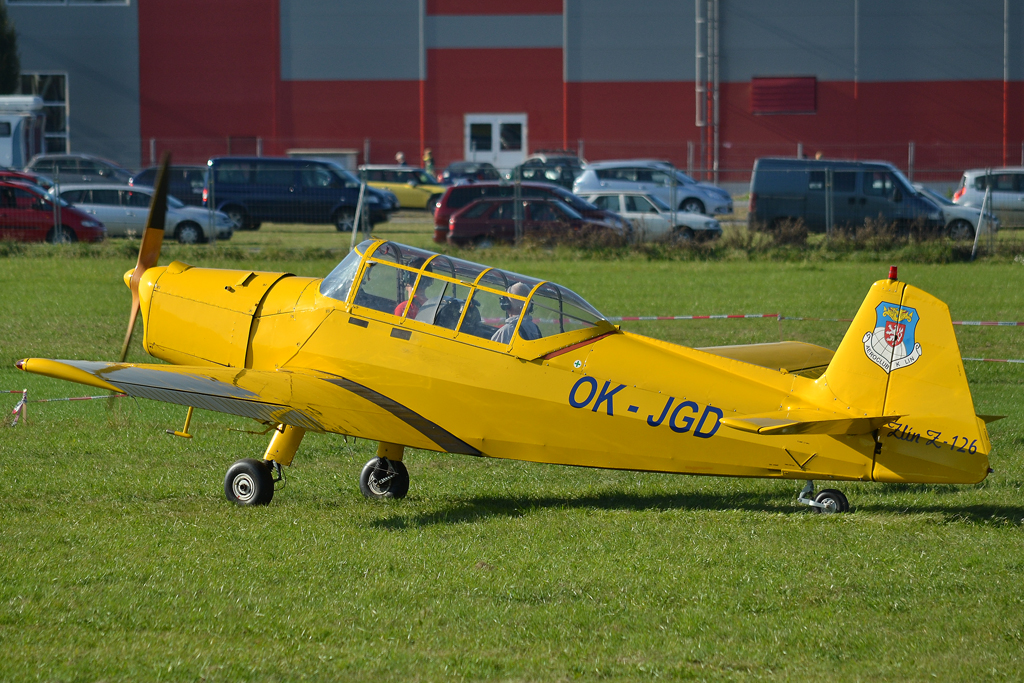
251	190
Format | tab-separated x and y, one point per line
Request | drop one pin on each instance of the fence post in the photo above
517	205
366	150
799	150
829	203
259	146
152	151
689	158
910	161
579	148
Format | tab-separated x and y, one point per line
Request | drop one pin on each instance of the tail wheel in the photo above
383	478
249	482
832	501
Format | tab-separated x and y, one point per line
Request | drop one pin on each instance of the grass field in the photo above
123	561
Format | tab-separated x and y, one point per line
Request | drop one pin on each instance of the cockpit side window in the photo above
381	288
555	313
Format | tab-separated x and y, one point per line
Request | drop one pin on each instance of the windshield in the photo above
572	213
935	196
174	202
658	202
575	201
422	178
683	178
345	174
907	185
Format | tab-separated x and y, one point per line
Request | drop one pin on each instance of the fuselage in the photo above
604	398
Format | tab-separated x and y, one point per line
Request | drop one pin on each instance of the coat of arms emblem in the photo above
891	345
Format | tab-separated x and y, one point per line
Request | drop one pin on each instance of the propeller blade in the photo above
152	240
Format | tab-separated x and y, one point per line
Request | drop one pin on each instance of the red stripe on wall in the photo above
494	6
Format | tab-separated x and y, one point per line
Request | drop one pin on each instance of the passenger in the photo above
528	330
408	278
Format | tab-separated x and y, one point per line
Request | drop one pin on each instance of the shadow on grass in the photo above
483	507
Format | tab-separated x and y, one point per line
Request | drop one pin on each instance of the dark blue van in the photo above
837	192
251	190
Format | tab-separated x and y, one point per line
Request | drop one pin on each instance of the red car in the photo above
495	219
459	196
27	214
26	177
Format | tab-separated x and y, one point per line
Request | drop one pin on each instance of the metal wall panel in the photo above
349	40
623	40
494	31
97	46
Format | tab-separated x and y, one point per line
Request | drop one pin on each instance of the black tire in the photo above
833	500
344	220
960	230
432	203
692	205
66	236
188	232
683	235
249	482
382	478
239	217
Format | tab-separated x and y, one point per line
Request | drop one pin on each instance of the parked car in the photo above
1007	198
459	196
495	219
124	210
26	177
559	167
78	168
652	218
27	214
461	172
961	221
251	190
414	187
185	182
787	189
656	178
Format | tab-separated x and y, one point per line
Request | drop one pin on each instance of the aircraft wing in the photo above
797	358
806	422
317	401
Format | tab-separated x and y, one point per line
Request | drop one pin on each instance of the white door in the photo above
498	139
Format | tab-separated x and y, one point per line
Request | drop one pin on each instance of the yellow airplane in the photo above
415	349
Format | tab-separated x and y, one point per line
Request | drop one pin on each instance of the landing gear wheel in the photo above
249	482
383	478
832	501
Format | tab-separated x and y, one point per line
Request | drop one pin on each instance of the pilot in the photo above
528	330
408	280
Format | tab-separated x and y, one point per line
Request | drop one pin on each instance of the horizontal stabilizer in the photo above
806	422
798	358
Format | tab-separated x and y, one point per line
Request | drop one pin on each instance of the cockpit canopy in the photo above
473	299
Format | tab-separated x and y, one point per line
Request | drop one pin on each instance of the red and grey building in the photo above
930	80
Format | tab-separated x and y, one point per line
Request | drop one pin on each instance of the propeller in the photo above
149	250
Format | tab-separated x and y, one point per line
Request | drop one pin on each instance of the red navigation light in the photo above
892	273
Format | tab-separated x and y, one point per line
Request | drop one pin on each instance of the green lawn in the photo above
123	561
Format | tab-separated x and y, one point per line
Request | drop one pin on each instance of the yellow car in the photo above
414	187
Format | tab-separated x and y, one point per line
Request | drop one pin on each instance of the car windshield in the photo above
571	212
683	178
658	202
422	178
348	176
174	202
907	185
575	201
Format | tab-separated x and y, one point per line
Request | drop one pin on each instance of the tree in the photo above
10	65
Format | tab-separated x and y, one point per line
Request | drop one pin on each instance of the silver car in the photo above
124	210
652	219
656	178
1007	199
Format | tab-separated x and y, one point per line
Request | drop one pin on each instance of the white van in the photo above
22	124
